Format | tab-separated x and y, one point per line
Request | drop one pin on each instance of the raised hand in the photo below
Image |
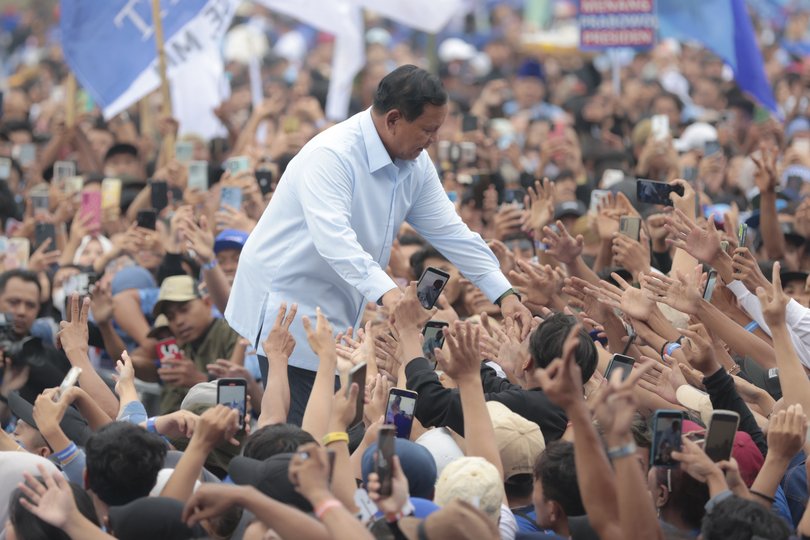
701	243
74	335
695	462
506	258
539	201
42	259
101	303
463	343
280	342
787	431
320	338
766	176
561	381
632	254
607	217
561	245
399	492
697	347
614	404
630	300
682	293
774	300
537	284
409	315
309	471
746	269
50	499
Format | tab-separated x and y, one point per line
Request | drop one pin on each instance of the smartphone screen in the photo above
710	283
430	286
596	197
198	175
660	127
160	194
622	363
794	184
42	232
649	191
358	375
667	427
111	193
513	196
183	151
233	393
147	219
630	226
469	123
19	250
68	382
231	196
26	153
720	435
237	164
433	339
383	462
399	412
264	177
62	170
711	148
5	168
91	206
40	202
742	234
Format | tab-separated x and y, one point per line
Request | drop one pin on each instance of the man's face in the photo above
453	287
31	439
796	290
123	165
20	298
228	259
408	139
188	321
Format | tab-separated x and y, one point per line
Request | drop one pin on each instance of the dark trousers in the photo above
300	381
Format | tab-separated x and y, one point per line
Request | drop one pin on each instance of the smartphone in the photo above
652	192
40	202
660	127
720	435
62	170
264	177
73	185
399	412
711	148
231	196
160	194
237	164
742	234
166	349
610	178
724	245
469	123
5	168
183	151
26	153
621	363
630	226
667	427
596	197
198	175
468	152
514	197
111	193
430	286
68	382
710	283
384	459
794	184
233	393
147	219
91	206
42	232
19	250
433	339
358	375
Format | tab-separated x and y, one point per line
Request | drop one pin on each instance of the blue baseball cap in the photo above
417	464
230	239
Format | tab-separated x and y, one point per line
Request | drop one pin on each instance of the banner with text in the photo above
604	24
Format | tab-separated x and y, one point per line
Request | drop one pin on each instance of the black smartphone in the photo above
513	196
742	234
430	286
43	231
358	375
264	177
384	459
622	363
433	339
469	123
711	147
667	428
794	184
147	219
652	192
160	194
720	434
710	283
233	393
399	412
630	226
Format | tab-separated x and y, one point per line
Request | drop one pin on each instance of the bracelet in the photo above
150	425
325	506
335	436
734	370
210	265
672	347
67	452
759	494
752	326
661	352
509	292
618	452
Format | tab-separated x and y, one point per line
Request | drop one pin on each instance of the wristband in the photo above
335	436
325	506
760	494
619	452
508	292
752	326
661	352
150	425
63	455
210	265
672	347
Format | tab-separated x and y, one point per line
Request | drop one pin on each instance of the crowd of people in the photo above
140	398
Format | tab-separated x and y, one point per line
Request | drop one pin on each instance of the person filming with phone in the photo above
326	236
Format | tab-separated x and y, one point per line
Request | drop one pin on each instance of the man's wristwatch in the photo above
508	292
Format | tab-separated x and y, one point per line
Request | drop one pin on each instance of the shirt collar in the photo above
377	154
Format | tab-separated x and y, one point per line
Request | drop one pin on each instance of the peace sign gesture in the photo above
280	341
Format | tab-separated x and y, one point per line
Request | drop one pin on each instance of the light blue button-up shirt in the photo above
325	238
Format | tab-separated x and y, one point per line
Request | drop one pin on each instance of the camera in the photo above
21	351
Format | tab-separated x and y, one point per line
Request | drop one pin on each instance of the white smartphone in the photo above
660	127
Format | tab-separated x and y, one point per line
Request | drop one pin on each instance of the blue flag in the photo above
109	44
723	26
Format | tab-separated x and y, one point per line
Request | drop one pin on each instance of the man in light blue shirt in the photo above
325	238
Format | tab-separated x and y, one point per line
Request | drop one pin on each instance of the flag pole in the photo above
168	141
70	100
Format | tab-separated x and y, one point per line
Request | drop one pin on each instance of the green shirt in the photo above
218	342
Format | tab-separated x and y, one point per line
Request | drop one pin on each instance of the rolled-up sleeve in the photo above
434	217
326	194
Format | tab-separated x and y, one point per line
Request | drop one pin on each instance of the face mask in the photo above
58	297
